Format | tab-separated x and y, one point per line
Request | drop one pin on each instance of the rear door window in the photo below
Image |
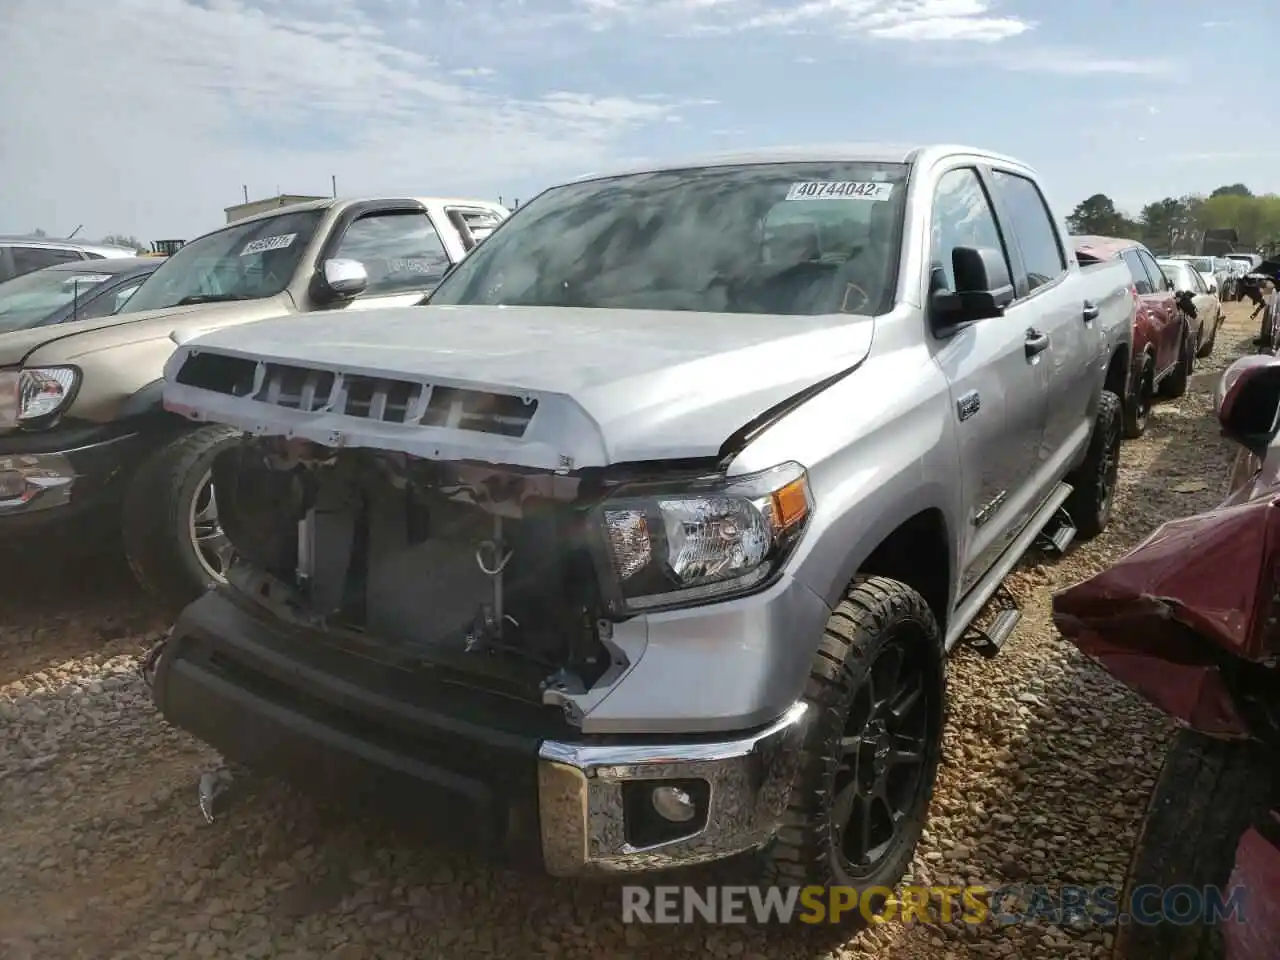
1036	236
474	223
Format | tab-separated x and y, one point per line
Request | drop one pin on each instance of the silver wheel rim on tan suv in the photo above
209	543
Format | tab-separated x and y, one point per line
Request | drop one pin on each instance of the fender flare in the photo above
147	401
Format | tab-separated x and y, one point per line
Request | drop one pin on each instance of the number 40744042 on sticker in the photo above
840	190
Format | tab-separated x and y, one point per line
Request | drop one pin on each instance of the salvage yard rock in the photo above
1048	765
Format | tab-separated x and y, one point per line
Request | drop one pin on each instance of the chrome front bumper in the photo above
584	807
36	481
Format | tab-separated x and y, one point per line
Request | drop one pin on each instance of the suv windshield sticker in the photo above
840	190
262	244
82	278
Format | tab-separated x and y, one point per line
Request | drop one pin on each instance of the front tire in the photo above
1093	485
173	541
1208	794
865	777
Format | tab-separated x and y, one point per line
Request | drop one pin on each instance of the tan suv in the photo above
83	435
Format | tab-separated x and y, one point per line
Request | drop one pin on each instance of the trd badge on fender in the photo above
968	405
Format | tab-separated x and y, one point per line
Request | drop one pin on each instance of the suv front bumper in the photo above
511	776
45	477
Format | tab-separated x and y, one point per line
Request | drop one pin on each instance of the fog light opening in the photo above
673	804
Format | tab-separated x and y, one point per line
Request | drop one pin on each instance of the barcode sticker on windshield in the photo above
840	190
278	242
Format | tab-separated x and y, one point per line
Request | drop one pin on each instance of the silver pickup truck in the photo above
644	543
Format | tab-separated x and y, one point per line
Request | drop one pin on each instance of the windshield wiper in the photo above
210	298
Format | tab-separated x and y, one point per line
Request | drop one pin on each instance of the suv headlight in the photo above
669	546
28	396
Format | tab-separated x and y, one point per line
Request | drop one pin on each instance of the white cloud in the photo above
958	20
147	116
1067	62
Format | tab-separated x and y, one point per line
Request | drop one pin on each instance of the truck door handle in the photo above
1037	342
1091	312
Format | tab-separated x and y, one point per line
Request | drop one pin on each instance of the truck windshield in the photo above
28	300
246	261
784	238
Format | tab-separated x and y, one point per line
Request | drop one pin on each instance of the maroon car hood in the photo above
1162	618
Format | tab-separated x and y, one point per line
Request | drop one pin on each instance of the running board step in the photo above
1058	534
989	640
977	598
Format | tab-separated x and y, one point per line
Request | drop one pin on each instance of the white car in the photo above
1245	261
1202	265
1187	280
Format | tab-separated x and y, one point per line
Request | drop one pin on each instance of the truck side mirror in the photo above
339	279
983	290
1247	402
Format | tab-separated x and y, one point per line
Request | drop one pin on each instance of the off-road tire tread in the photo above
1083	504
151	512
797	856
1207	794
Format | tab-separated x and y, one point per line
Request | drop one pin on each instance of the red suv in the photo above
1163	355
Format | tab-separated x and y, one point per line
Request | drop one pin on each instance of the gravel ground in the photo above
103	852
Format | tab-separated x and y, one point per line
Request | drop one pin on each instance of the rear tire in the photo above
1137	412
1206	349
1208	794
1093	493
865	776
1175	384
162	509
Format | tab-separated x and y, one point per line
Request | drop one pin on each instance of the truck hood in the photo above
541	387
69	340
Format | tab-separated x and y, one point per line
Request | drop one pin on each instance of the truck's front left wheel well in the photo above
917	554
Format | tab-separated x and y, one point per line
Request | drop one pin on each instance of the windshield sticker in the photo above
840	190
82	278
263	244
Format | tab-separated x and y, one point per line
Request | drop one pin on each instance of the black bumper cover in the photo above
285	701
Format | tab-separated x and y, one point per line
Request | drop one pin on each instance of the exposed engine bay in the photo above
487	570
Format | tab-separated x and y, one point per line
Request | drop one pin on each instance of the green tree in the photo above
1097	216
1166	224
1232	190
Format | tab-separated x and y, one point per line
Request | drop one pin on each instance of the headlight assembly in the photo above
29	396
669	546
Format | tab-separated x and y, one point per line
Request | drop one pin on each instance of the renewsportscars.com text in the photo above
1003	905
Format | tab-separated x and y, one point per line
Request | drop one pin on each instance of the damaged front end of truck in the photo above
416	551
438	584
